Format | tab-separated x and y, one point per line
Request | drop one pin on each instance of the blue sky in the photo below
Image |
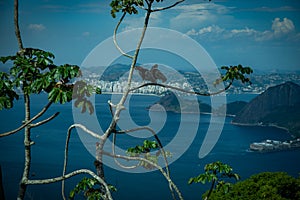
263	34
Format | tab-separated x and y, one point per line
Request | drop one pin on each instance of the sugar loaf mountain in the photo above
278	106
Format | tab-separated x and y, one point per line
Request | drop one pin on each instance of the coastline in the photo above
261	125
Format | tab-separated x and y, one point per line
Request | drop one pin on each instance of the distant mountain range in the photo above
277	106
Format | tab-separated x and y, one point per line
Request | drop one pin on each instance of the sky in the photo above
263	34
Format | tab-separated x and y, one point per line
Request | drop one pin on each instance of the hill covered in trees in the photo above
266	185
277	106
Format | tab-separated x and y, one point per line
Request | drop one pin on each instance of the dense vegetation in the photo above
266	185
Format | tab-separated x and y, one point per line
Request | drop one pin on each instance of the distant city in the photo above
115	81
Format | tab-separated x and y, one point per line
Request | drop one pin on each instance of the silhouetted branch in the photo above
180	89
168	7
29	121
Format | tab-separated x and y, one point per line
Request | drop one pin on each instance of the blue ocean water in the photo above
48	152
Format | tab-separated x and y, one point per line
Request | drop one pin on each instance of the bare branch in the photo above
159	143
76	172
168	7
181	90
44	121
28	122
86	130
151	163
115	159
67	150
115	37
16	21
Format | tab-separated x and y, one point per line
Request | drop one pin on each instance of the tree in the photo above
265	185
215	173
33	71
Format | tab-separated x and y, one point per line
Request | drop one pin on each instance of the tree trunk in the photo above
27	145
2	197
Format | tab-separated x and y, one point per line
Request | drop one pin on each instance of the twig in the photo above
27	122
182	90
44	121
115	37
168	7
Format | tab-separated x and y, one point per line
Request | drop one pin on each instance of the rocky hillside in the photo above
170	103
277	106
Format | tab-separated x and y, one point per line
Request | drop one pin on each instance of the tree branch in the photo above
182	90
16	21
168	7
76	172
115	37
28	122
151	163
66	155
44	121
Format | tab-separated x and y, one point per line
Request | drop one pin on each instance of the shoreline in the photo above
262	125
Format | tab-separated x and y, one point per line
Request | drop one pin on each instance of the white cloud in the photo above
280	29
283	27
36	27
199	14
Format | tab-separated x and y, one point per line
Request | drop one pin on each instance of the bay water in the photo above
48	152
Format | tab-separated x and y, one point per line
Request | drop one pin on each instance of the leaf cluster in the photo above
235	73
216	172
34	71
145	150
128	6
90	188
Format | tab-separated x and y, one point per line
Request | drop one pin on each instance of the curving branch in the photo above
45	120
182	90
168	7
156	138
67	176
160	146
66	158
28	122
151	163
115	159
115	38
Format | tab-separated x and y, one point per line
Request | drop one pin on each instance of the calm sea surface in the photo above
48	152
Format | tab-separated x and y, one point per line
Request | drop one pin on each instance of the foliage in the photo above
91	189
127	6
32	72
235	73
216	172
145	149
266	185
